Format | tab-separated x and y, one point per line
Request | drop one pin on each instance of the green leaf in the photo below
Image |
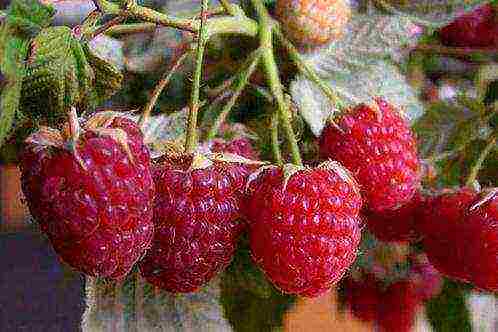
431	13
29	16
379	78
250	302
448	311
13	50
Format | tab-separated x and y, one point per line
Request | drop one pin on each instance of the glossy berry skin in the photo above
399	305
460	237
398	225
312	23
376	144
427	281
196	217
363	297
391	307
304	234
475	29
98	219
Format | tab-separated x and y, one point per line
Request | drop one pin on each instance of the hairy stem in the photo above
217	25
308	71
474	172
191	139
266	40
163	82
275	144
243	78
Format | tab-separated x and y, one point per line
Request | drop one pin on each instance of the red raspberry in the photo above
460	236
241	146
392	308
426	279
398	308
396	225
304	227
376	144
475	29
313	22
363	297
93	195
196	217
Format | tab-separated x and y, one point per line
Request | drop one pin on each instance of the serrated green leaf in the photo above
379	78
431	13
13	50
58	76
29	16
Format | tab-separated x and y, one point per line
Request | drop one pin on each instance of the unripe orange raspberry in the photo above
311	23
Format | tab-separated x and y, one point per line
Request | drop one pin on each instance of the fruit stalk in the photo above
491	144
307	71
266	40
274	139
191	140
241	83
163	82
217	25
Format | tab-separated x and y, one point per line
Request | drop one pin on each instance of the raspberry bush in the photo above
257	151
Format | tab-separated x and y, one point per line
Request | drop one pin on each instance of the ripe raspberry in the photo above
392	308
399	305
475	29
196	217
379	148
363	297
92	195
460	231
313	22
304	228
396	225
241	146
426	279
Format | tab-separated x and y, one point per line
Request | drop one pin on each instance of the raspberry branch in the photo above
163	82
191	139
307	71
266	40
243	79
474	172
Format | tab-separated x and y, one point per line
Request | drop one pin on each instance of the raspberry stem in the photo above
307	71
266	41
163	82
191	139
243	79
474	172
275	145
238	24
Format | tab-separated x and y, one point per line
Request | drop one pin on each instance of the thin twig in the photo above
163	82
191	139
456	51
308	71
243	78
266	40
474	172
126	29
103	28
275	144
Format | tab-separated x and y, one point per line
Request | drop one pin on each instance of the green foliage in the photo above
448	312
24	19
249	301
